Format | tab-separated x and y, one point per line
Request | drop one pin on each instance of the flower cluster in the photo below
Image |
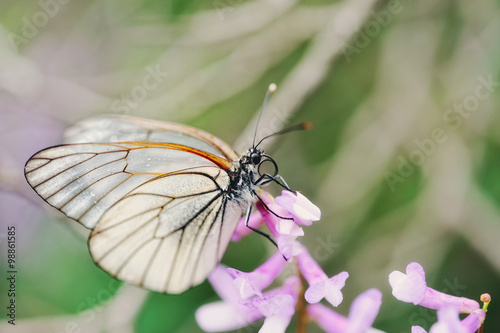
245	299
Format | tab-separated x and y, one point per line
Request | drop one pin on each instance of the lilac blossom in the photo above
277	306
284	230
449	322
244	299
417	329
250	284
412	288
320	285
362	314
298	207
226	314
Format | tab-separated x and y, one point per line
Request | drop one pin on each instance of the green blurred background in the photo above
403	161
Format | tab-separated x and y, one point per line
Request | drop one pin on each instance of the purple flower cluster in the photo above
245	300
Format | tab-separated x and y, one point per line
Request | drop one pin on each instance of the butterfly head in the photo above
255	156
254	160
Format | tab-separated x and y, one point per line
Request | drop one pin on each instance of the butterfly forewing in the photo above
117	128
159	210
84	180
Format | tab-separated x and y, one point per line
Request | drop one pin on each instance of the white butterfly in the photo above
162	199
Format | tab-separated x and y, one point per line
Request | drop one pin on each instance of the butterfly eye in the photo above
255	158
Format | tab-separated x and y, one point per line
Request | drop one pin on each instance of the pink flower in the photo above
277	306
472	322
362	314
412	288
239	307
250	284
286	234
298	207
449	322
285	231
292	206
320	285
227	314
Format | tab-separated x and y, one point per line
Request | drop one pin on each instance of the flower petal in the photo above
409	287
309	268
288	246
223	316
327	319
472	322
364	310
448	322
273	305
315	293
362	314
434	299
275	324
299	207
278	301
289	228
220	280
250	284
327	288
246	283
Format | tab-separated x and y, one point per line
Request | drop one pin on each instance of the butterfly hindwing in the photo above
168	234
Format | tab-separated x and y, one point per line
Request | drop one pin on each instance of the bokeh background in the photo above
404	158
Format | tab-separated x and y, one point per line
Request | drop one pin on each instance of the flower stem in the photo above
300	309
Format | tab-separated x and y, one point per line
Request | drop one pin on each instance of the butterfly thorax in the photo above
243	179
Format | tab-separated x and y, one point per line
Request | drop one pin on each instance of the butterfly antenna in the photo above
306	125
270	90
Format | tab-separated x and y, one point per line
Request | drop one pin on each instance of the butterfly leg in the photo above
249	211
269	209
267	178
284	183
281	182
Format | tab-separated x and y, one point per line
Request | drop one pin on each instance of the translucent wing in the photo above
168	234
159	213
117	128
85	180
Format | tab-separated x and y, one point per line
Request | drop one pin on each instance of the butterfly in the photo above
162	199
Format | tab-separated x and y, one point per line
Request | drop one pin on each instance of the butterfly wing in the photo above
84	180
118	128
168	234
